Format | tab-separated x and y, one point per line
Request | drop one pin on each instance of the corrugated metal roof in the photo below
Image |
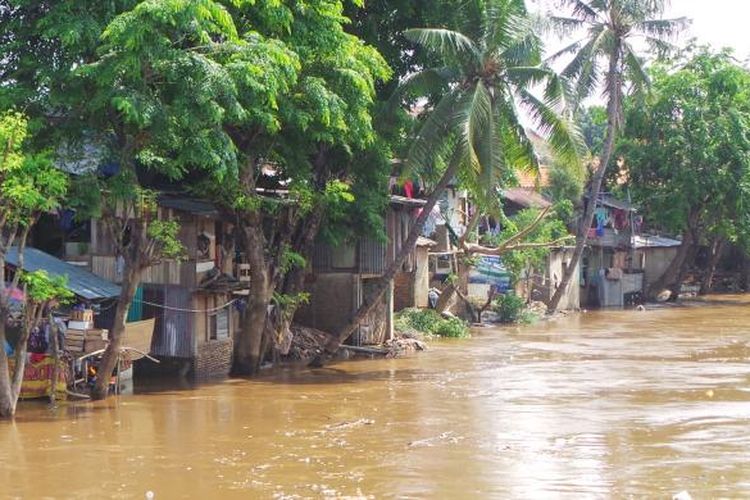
525	197
410	202
80	281
655	242
426	242
612	202
189	205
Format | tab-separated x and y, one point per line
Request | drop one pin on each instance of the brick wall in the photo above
403	291
213	359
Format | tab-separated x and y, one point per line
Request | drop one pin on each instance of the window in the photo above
220	325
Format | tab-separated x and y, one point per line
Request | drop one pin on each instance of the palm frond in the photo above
472	116
584	11
436	128
635	70
563	137
424	83
663	28
564	26
583	69
448	44
518	150
662	48
569	49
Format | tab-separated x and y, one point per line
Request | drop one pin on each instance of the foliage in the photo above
291	260
165	233
528	259
687	148
592	121
610	29
429	321
487	64
566	183
509	307
41	288
29	183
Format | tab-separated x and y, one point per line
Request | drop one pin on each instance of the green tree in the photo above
487	64
606	56
686	150
29	186
308	88
157	100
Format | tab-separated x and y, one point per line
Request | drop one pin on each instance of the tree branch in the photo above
504	248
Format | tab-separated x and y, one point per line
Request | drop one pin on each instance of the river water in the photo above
598	405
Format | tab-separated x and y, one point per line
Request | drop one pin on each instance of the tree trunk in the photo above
55	358
446	296
613	118
384	281
676	286
673	275
7	401
708	280
112	352
248	353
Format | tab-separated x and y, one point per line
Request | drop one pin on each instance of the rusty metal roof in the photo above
525	197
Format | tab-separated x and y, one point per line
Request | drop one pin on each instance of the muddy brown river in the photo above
601	405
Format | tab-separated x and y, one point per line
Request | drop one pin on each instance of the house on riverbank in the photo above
341	277
193	300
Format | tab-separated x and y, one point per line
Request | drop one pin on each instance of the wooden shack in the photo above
341	276
193	299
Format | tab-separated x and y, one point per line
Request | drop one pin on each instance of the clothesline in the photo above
179	309
176	309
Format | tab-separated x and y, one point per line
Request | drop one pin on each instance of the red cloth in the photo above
37	357
409	189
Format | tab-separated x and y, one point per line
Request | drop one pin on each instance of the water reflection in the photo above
611	404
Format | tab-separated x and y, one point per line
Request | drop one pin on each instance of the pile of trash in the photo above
306	343
403	346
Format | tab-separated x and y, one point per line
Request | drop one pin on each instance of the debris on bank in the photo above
307	343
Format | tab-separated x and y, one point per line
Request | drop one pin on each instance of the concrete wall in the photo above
403	291
545	286
656	261
410	288
332	301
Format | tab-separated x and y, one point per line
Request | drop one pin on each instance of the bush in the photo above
429	322
510	308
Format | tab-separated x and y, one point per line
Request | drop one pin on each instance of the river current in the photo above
621	404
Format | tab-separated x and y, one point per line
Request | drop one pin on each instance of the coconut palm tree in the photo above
607	57
488	68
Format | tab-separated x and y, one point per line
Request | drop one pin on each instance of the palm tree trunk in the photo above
383	282
613	112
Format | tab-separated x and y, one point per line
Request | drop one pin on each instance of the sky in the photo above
719	23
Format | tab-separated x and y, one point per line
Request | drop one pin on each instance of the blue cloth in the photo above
8	348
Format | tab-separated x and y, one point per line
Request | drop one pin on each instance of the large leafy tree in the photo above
488	66
157	99
687	155
307	88
29	186
607	58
